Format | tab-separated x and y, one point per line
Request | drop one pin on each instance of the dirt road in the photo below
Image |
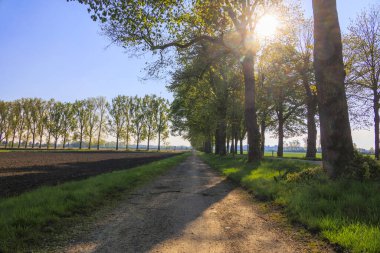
190	209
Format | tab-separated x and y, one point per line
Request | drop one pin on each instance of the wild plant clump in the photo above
363	168
306	175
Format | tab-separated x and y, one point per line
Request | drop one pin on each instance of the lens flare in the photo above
267	26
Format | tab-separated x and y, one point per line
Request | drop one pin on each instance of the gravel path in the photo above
191	209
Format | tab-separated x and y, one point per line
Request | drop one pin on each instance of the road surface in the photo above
191	209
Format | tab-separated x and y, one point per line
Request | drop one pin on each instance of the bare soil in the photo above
24	171
193	209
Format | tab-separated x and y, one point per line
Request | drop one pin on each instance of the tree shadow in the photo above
161	211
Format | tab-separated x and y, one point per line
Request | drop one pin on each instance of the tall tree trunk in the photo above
208	147
48	141
311	149
254	153
232	147
263	128
228	144
138	140
27	139
6	142
98	142
81	139
117	141
241	146
89	142
222	138
336	139
19	141
55	142
159	141
217	141
64	141
236	142
311	107
376	122
13	138
280	148
147	148
41	134
33	138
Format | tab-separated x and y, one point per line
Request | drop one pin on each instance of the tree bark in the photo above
13	138
241	146
217	141
336	139
222	138
27	139
89	142
48	141
376	122
159	141
232	147
236	143
147	148
280	147
228	144
117	142
311	149
254	144
81	139
263	128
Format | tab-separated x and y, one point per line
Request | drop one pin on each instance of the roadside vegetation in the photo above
344	211
29	219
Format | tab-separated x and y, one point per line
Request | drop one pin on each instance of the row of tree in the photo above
224	31
209	95
32	121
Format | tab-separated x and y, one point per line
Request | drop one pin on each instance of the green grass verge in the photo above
296	155
345	212
30	218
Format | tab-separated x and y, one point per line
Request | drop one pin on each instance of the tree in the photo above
42	123
160	25
281	80
4	112
56	121
161	117
50	113
92	119
34	117
101	104
362	44
304	40
82	116
128	111
336	140
117	117
151	124
138	120
68	122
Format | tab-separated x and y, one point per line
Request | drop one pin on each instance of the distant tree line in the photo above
31	122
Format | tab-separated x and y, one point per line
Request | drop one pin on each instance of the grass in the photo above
345	212
296	155
29	219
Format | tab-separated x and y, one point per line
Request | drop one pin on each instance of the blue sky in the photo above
52	49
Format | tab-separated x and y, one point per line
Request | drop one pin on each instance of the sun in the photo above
267	26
